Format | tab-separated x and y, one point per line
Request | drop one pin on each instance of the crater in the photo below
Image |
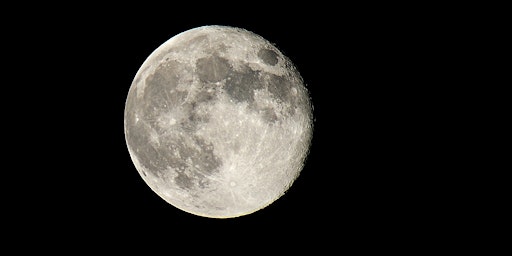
203	157
268	56
161	104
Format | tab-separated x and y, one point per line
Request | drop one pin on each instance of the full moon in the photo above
218	122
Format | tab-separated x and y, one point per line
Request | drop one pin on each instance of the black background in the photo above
366	180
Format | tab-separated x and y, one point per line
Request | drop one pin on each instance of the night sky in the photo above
364	179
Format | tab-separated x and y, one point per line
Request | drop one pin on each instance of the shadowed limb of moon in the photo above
218	122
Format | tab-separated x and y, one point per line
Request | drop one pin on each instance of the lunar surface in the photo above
218	122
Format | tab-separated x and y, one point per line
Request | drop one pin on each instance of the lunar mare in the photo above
218	122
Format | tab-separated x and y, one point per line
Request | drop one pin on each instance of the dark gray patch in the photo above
149	155
188	126
194	117
176	161
240	85
166	75
204	158
204	96
200	154
268	114
154	98
197	117
160	90
268	56
203	183
222	47
212	69
183	181
280	87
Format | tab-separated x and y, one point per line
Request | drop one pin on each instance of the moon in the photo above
218	122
